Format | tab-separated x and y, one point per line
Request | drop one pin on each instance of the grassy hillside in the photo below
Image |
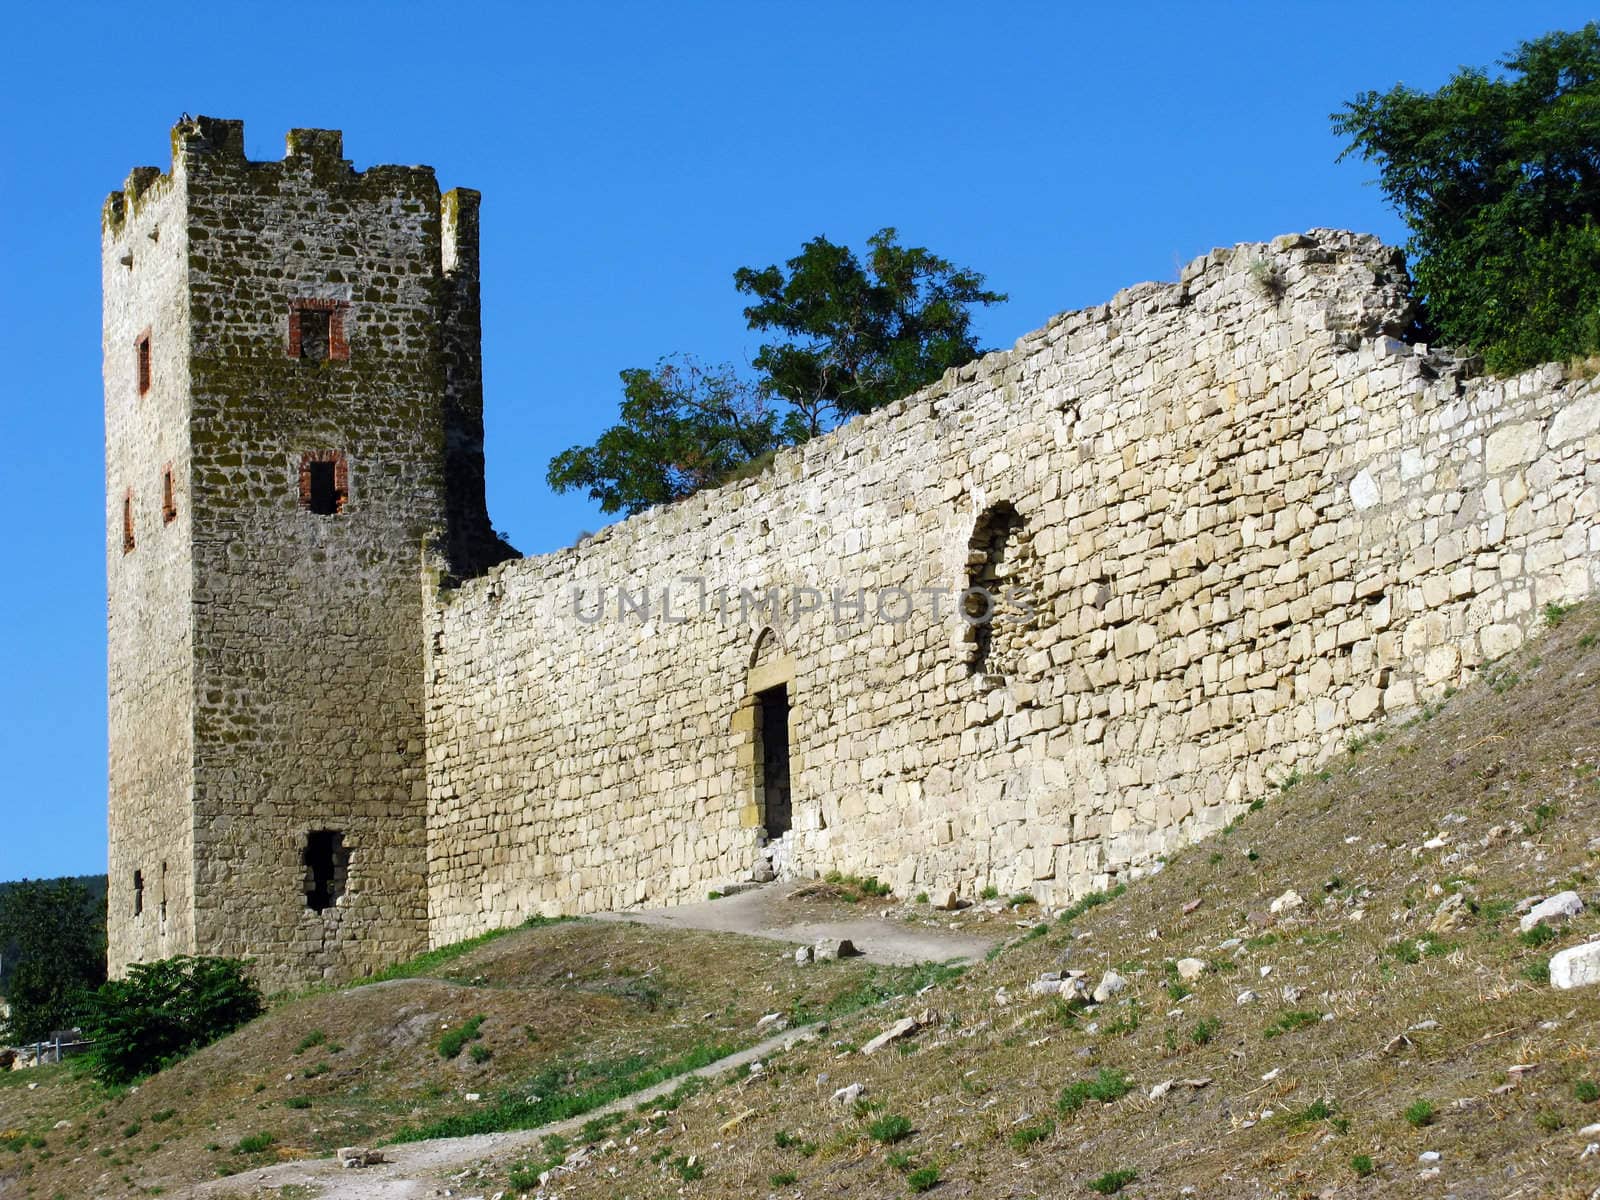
567	1012
1394	1034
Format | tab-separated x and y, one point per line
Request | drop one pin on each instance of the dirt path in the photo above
771	912
416	1170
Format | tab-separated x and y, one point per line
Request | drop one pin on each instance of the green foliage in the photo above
923	1178
1419	1113
1088	901
1113	1182
1362	1165
852	337
1496	178
255	1143
1290	1021
862	336
1204	1030
989	893
890	1129
687	1168
783	1178
53	935
315	1038
164	1010
455	1040
1107	1086
1026	1135
1586	1091
684	427
1555	613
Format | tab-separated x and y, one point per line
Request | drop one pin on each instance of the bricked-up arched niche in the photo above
999	604
762	720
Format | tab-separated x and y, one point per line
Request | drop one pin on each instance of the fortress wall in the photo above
1251	523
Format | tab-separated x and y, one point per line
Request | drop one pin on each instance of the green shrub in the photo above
1419	1113
1361	1164
922	1178
1027	1135
164	1010
688	1168
297	1102
254	1144
315	1038
1586	1091
1108	1085
1290	1021
783	1178
1113	1182
455	1040
1204	1030
890	1129
480	1053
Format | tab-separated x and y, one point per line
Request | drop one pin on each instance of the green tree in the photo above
166	1009
683	427
1499	180
56	930
857	337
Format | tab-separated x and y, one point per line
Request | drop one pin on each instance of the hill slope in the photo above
1392	1034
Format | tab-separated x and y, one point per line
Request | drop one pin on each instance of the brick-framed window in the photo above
141	361
317	330
324	482
169	498
127	521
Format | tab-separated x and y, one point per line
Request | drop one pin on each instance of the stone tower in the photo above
294	450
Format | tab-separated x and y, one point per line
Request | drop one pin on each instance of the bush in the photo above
1419	1113
165	1010
1113	1182
455	1040
890	1129
922	1178
1108	1086
1362	1165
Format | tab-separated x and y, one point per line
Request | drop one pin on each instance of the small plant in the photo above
1548	1120
1362	1165
480	1053
1204	1030
165	1115
1318	1110
1088	901
315	1038
132	1131
1537	972
1539	935
1018	899
1027	1135
1586	1091
1555	613
1268	282
1113	1182
688	1168
254	1144
1290	1021
455	1040
297	1102
922	897
713	895
900	1160
890	1129
923	1178
1419	1113
989	893
784	1140
783	1178
1107	1086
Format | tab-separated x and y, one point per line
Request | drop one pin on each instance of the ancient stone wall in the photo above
144	251
1238	519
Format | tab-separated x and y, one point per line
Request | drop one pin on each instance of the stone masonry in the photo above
1033	627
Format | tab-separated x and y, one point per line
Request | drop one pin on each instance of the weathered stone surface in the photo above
1552	911
1577	966
1227	531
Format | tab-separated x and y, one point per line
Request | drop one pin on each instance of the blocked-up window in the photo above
317	330
169	499
324	482
138	893
141	361
327	866
1002	589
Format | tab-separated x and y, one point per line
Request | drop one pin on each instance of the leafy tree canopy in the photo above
164	1010
854	337
1499	180
56	931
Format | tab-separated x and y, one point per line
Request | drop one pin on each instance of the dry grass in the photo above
577	1000
1301	1088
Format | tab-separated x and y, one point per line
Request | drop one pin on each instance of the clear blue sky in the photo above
631	156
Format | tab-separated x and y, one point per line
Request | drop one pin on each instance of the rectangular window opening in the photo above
127	522
772	708
169	500
324	482
327	863
314	331
141	347
138	893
